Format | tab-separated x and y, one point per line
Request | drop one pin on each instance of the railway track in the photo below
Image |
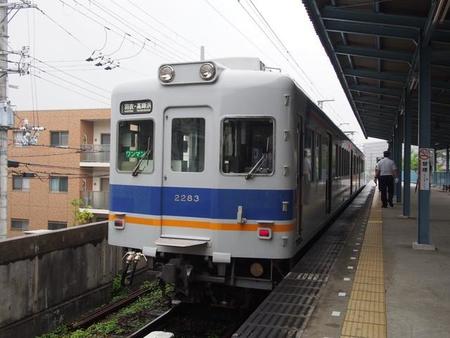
108	309
194	320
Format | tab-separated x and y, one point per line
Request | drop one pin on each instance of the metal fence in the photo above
95	199
441	178
95	153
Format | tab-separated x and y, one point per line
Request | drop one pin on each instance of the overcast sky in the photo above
142	34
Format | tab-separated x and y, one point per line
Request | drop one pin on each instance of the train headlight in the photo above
256	269
207	71
166	73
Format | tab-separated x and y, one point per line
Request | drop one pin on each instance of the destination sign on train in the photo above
136	107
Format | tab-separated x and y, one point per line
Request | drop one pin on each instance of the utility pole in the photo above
4	105
6	115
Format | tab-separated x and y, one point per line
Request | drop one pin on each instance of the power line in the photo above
70	82
73	76
117	17
282	44
287	58
147	25
152	51
70	89
235	27
64	29
141	10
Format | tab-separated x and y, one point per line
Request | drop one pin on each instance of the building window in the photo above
20	183
58	184
59	138
55	225
19	224
105	138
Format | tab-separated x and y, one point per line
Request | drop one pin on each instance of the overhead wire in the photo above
116	17
277	48
63	28
91	92
289	57
235	27
71	89
120	31
134	28
147	25
142	10
73	76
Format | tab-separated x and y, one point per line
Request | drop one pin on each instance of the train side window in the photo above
247	146
308	160
319	157
336	160
135	148
188	144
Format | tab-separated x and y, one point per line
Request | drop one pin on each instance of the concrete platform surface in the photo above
417	281
413	298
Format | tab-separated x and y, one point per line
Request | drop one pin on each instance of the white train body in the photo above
240	169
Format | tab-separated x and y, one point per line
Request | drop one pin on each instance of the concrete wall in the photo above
53	278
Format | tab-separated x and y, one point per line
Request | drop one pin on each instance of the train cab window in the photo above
188	144
135	148
247	146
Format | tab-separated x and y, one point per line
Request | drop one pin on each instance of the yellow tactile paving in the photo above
366	310
368	317
361	330
362	305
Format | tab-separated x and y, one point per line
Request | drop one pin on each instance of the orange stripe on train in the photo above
202	225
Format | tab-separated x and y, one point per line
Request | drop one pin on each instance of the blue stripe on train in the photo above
201	202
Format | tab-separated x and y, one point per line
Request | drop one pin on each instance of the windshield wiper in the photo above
147	153
256	167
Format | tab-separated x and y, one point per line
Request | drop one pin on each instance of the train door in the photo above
329	173
184	169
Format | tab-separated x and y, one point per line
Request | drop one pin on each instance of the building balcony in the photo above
95	201
94	155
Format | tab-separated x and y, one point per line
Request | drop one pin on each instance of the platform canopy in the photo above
374	48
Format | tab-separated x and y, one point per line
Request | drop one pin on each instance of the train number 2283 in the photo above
186	198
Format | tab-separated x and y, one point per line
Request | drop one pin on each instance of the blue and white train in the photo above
221	171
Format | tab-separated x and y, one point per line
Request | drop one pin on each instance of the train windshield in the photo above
135	148
188	144
247	146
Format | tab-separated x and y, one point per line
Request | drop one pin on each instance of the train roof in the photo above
253	68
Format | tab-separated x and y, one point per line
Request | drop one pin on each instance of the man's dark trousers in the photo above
387	189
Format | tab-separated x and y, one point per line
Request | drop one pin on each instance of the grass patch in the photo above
124	321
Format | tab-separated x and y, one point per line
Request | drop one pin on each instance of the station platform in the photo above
377	285
394	291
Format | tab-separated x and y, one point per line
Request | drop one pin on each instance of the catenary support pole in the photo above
3	125
398	160
424	132
407	126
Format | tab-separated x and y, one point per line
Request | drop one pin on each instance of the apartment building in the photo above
70	161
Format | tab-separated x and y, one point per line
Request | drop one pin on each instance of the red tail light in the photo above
264	233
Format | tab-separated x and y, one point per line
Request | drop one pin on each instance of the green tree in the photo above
81	216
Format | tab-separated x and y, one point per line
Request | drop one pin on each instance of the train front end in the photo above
203	172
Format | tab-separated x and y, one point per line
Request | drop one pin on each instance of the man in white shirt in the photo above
386	172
